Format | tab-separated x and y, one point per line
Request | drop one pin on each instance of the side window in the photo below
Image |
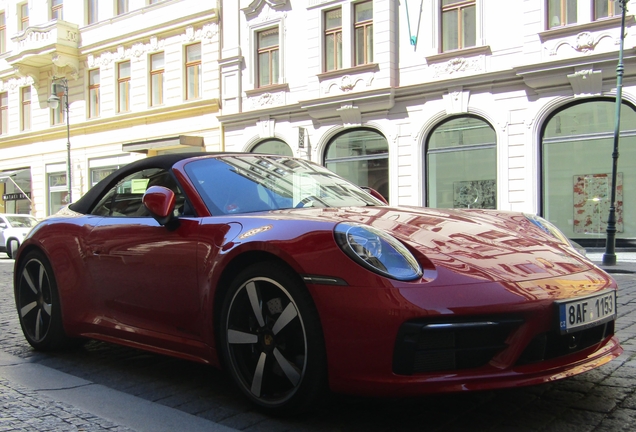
125	198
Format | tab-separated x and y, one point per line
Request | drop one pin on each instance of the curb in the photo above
119	408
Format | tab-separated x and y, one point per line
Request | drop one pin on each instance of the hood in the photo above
483	244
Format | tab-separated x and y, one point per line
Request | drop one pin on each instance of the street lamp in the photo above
60	88
609	257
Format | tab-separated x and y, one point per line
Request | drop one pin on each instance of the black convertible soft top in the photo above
85	203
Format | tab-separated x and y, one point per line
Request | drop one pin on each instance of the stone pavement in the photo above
39	397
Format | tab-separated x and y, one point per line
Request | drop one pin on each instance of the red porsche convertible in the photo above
297	281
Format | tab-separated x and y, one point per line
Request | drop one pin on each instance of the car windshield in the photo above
22	221
251	183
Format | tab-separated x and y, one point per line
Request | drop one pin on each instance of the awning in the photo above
162	143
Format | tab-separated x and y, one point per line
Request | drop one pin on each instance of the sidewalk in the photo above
625	261
34	397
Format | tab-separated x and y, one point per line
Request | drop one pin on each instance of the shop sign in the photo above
16	196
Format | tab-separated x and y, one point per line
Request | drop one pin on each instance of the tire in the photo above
38	304
12	248
271	340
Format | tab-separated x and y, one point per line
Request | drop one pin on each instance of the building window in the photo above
91	11
561	12
4	113
122	6
56	9
273	146
58	191
576	145
268	57
605	9
193	71
25	96
458	24
362	157
363	33
3	33
333	39
123	87
157	78
93	93
99	174
23	16
461	164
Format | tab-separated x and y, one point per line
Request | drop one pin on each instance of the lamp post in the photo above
609	257
60	88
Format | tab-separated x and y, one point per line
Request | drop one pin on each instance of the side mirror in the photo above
160	203
375	194
3	225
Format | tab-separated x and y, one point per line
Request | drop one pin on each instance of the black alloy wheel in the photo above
272	341
38	304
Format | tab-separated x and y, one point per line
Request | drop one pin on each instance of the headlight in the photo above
377	251
547	227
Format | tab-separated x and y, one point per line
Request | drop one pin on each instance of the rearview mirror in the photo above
160	203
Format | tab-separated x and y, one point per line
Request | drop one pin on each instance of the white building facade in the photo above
442	103
141	78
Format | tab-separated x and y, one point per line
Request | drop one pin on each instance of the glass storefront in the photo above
362	157
461	164
577	146
16	191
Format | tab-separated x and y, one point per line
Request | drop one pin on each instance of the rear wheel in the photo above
38	304
271	340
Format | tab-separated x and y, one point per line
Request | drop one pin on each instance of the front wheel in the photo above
271	340
38	304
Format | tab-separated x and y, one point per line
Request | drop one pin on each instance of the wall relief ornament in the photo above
267	99
584	43
256	5
347	83
458	65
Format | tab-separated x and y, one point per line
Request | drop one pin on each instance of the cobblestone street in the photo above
600	400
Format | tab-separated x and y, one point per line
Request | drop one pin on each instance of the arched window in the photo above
362	157
272	146
461	164
577	144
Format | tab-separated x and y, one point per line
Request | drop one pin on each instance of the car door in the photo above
144	275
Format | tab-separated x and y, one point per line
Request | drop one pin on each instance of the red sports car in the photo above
297	281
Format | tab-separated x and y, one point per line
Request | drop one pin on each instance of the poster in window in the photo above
475	194
592	195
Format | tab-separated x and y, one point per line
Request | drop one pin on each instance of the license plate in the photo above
586	312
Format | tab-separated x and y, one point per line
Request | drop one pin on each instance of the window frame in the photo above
337	47
161	80
23	16
122	7
196	66
366	26
269	50
92	11
563	15
94	89
25	109
612	8
4	113
459	7
57	9
123	83
3	32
